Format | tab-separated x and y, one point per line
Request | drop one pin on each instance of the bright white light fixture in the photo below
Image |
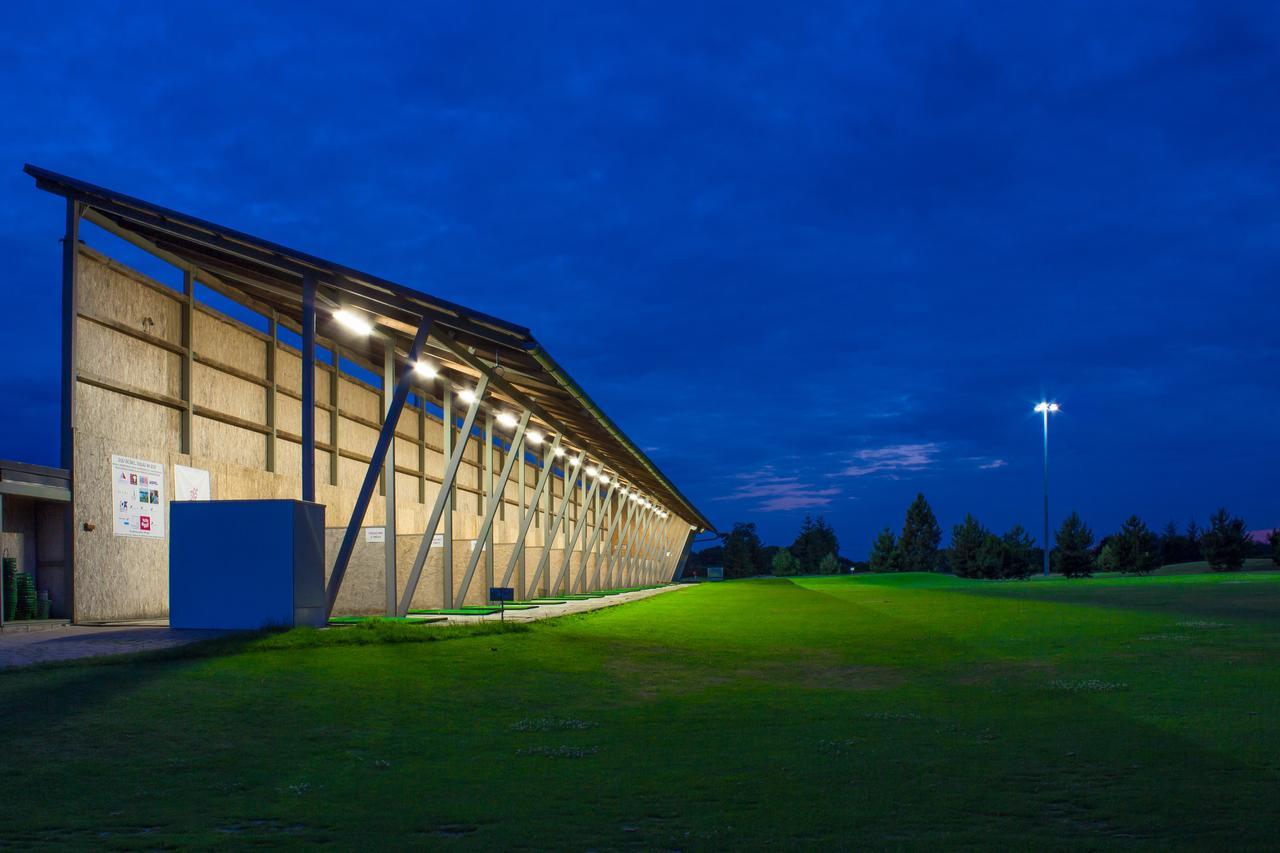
623	491
353	321
592	470
604	478
507	419
559	452
425	369
1041	408
467	396
533	436
575	461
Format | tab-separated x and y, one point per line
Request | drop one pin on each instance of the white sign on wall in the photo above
190	484
137	488
375	534
437	541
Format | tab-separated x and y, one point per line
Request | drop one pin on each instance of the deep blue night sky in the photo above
812	262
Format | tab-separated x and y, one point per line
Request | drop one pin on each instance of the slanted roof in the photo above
268	277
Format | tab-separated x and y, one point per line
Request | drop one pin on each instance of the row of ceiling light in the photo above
354	322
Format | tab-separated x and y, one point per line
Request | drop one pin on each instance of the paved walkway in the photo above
23	648
548	611
69	642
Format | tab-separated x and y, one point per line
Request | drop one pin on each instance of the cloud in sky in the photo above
772	492
891	459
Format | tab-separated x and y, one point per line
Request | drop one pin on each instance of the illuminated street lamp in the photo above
1045	408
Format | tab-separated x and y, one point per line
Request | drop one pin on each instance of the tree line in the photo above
815	551
976	552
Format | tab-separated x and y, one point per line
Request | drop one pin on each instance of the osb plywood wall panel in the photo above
122	578
106	290
229	343
127	360
227	394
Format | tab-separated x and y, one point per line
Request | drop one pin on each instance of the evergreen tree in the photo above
1020	553
966	540
1226	543
1072	555
815	541
1134	548
1172	545
1273	539
1108	561
1193	545
830	565
991	557
784	564
884	552
742	552
918	545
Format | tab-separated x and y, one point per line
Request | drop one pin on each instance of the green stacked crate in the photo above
26	597
10	588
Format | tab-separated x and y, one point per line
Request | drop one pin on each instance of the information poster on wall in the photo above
138	492
190	484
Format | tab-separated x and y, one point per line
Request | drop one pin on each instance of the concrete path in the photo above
69	642
548	611
23	648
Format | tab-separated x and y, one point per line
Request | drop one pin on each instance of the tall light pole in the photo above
1045	408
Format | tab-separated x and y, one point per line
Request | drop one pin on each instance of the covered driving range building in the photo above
451	453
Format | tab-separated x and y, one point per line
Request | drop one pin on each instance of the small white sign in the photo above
437	541
190	484
375	534
137	492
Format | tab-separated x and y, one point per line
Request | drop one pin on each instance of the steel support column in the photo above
386	436
446	484
188	357
391	416
308	388
577	532
543	478
484	538
273	344
70	351
555	526
446	489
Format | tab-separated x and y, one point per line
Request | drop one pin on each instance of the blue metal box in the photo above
246	564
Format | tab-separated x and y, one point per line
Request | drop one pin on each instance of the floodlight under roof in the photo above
507	419
425	369
533	436
467	396
353	321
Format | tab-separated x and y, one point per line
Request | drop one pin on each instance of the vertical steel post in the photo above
70	352
1046	491
446	488
484	537
70	328
188	357
335	419
308	387
390	415
386	437
450	473
273	342
520	511
492	502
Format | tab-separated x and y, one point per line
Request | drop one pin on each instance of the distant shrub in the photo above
830	565
1226	543
1073	548
784	563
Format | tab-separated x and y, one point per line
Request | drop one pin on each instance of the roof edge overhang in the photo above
363	284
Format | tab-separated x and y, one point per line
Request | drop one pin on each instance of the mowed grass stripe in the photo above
812	712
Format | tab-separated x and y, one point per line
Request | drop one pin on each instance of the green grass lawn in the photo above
900	711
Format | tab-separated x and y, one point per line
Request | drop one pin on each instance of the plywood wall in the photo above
129	363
